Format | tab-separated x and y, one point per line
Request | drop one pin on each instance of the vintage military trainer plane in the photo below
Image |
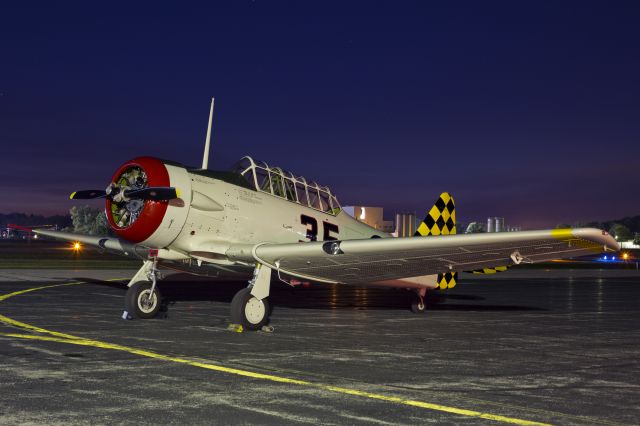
262	221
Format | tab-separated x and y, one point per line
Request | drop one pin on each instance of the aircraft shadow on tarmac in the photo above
181	288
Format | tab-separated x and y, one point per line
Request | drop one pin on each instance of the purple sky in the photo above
527	110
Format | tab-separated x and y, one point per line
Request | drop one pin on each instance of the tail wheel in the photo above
417	305
248	311
141	302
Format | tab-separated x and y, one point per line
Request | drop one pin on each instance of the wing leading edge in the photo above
360	261
115	245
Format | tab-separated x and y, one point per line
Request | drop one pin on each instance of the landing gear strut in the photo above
143	299
250	306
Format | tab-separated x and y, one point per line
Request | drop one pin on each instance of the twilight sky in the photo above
527	110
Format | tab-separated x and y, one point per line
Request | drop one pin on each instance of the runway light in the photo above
625	256
606	258
77	246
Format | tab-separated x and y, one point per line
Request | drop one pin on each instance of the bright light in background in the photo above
625	256
77	246
362	216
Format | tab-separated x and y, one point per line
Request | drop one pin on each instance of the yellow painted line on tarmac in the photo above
29	290
30	327
54	336
10	321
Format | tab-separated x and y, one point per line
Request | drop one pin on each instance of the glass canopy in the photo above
283	184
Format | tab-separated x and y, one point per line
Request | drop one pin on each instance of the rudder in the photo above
441	220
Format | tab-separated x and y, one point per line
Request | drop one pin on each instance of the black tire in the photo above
250	319
418	305
135	305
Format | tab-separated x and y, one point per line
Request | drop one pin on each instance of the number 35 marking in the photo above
312	229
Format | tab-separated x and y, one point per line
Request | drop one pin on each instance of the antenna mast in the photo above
207	142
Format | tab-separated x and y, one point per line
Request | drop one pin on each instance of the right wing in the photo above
361	261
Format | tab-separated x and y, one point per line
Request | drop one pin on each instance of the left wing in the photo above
115	245
360	261
103	242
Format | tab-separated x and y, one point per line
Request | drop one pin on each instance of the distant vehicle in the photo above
255	220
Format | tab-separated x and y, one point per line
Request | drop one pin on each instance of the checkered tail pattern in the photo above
441	220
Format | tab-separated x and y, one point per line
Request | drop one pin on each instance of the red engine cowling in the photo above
152	223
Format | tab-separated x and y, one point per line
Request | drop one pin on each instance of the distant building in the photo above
372	216
496	224
405	224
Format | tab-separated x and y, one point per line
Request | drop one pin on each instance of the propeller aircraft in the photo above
259	221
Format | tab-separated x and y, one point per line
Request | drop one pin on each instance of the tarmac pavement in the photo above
559	346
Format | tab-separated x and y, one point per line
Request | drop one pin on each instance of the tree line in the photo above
81	219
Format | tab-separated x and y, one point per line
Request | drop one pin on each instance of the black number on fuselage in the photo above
312	228
312	233
328	228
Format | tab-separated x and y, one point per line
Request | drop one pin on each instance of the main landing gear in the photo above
143	299
250	306
418	305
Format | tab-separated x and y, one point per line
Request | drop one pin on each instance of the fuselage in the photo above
251	216
218	209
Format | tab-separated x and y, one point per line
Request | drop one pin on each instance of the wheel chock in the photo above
126	316
267	329
236	328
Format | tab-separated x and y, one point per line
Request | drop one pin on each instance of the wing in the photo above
359	261
103	242
114	245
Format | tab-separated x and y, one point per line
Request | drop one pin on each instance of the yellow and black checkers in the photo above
447	280
441	220
493	270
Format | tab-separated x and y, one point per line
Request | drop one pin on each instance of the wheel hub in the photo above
254	310
147	301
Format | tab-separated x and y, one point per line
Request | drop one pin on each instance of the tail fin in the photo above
441	220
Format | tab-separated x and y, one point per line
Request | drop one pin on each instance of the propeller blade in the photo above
88	194
159	193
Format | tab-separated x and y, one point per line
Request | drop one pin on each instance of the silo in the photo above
405	224
491	224
411	224
499	224
399	225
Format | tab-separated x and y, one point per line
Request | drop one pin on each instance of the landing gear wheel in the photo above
140	302
417	305
248	311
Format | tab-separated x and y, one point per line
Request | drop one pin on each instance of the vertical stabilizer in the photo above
441	220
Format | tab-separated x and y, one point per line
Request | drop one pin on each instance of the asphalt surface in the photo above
558	347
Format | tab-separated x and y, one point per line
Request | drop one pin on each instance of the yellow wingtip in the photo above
562	233
73	194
